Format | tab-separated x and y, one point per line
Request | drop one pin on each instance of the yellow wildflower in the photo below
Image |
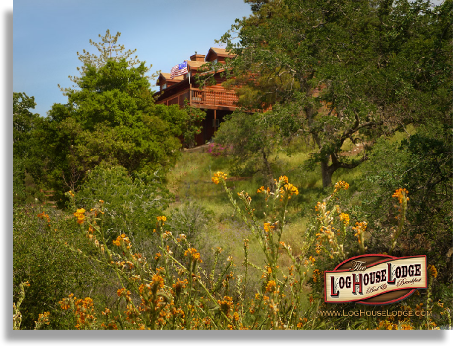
432	270
345	218
192	252
271	286
218	175
341	185
80	215
359	229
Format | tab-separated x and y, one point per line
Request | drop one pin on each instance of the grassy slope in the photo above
190	181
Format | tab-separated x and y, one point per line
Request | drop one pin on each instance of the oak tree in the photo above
344	72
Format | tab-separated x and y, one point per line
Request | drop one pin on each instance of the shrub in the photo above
42	259
215	149
129	204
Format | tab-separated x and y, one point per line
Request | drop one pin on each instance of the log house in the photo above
214	99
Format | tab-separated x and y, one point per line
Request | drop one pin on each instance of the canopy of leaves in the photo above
344	70
111	118
108	50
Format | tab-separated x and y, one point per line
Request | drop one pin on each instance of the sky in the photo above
47	34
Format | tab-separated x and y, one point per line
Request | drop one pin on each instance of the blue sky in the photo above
47	34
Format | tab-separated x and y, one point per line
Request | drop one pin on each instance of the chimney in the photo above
197	57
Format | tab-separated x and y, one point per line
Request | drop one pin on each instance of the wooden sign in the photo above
375	279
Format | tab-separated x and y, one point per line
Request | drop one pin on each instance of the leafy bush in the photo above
422	164
42	259
215	149
130	205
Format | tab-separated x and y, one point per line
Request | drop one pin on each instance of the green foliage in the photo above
190	219
195	222
24	121
25	188
337	74
42	259
421	163
344	70
250	140
113	119
131	205
108	50
193	124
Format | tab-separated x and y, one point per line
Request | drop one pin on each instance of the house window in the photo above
164	86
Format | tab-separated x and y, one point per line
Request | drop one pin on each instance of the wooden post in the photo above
214	120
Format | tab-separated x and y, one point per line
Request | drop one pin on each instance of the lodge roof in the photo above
214	53
166	76
193	65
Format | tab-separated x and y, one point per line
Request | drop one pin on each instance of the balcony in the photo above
206	98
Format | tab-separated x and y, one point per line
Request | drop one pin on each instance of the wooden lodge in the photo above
214	99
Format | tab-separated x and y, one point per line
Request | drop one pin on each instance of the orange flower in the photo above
80	215
432	270
401	194
192	252
218	175
345	218
341	185
271	286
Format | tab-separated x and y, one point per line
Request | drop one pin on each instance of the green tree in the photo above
24	143
113	119
249	140
422	164
23	122
344	71
108	49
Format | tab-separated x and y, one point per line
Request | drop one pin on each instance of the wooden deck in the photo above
206	98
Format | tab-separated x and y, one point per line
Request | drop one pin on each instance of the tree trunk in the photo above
268	173
327	173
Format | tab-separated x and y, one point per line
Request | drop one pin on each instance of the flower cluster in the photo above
179	285
43	215
122	239
215	149
226	304
432	270
270	286
42	320
218	175
345	218
83	310
161	219
79	214
320	207
360	228
267	226
285	188
401	194
192	252
267	191
245	197
341	185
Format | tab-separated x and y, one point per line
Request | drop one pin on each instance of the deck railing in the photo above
203	98
210	97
